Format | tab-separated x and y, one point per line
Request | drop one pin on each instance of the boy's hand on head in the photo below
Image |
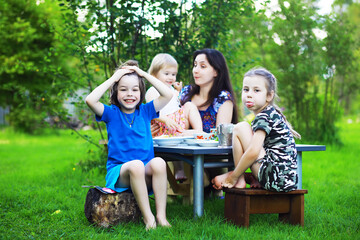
177	86
134	69
120	72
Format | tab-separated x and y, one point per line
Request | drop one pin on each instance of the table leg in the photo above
299	169
198	185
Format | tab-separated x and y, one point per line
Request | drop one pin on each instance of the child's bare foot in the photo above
180	176
151	225
163	223
218	180
251	180
241	182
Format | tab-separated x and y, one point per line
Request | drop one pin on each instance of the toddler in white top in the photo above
174	119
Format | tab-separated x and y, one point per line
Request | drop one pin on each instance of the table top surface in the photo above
186	149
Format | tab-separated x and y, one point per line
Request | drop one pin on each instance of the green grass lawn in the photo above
41	196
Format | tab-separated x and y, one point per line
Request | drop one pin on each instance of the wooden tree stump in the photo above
106	210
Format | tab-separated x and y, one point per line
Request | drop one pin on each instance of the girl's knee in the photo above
136	168
241	127
158	164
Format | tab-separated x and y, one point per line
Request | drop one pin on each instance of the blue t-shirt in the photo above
127	143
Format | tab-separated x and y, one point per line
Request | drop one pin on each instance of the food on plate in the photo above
202	136
162	136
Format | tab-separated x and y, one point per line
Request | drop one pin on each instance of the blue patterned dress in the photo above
208	116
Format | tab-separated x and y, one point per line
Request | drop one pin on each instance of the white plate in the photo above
191	141
209	143
169	141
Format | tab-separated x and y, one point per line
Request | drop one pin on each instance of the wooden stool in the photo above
240	203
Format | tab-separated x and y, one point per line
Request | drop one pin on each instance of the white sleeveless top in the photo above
172	106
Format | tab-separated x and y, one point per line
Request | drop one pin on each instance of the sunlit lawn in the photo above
41	196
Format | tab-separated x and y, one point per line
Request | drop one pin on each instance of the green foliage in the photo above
117	31
95	160
54	48
314	80
124	28
26	120
342	56
29	62
299	61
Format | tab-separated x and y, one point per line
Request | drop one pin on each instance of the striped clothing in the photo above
278	170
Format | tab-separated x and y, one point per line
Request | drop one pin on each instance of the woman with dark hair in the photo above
213	95
212	92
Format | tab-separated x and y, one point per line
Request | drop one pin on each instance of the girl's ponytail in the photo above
295	133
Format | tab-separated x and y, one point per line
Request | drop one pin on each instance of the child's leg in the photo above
133	174
255	171
241	138
251	179
242	134
193	120
218	180
156	176
179	171
192	117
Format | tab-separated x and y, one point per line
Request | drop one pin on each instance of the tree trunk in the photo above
106	210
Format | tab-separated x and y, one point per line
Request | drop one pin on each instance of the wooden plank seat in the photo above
240	203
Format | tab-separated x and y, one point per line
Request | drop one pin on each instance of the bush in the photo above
27	120
96	159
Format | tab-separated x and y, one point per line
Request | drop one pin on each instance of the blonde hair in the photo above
271	86
160	61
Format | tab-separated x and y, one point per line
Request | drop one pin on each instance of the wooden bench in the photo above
240	203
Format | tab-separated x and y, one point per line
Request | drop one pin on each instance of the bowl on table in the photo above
191	142
202	136
166	140
207	143
213	132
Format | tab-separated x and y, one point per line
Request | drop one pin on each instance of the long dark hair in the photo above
114	88
221	82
